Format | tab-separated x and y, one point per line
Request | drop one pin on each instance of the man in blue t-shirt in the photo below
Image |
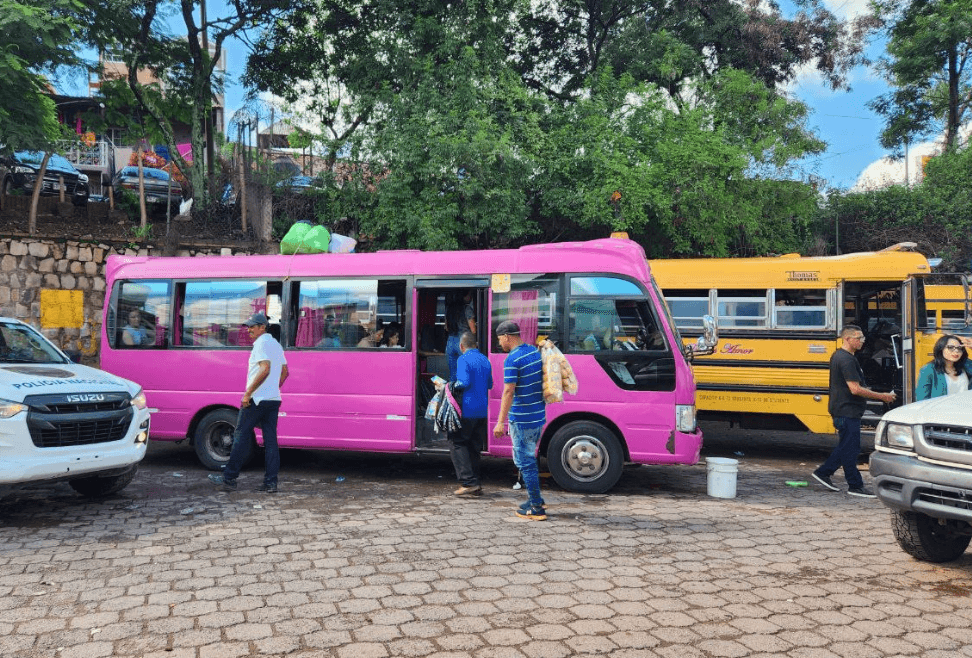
523	406
474	378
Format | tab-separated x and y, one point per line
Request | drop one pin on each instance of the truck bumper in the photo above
905	483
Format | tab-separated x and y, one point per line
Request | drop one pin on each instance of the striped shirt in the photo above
524	367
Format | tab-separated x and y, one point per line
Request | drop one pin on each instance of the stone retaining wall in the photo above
30	266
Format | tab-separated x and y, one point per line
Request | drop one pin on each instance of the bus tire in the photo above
924	538
585	457
97	487
214	439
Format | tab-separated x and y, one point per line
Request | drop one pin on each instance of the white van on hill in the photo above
61	421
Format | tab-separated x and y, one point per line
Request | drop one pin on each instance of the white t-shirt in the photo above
957	384
265	348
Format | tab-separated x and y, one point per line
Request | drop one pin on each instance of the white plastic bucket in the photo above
721	476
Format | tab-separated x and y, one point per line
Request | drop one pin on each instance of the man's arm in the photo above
284	374
505	404
856	389
260	377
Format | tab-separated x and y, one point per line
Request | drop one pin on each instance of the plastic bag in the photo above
341	244
317	240
553	379
433	408
292	241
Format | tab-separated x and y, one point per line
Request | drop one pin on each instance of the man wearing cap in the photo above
267	371
523	406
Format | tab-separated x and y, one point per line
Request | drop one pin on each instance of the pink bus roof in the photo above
606	255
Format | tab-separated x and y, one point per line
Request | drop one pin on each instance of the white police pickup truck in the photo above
60	421
922	470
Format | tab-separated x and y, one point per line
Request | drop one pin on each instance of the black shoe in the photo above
861	492
267	488
220	481
825	481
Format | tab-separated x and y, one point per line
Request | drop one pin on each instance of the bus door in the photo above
885	316
906	350
432	300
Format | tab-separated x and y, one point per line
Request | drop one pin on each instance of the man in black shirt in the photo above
848	397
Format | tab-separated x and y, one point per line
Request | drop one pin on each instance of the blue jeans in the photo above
525	440
453	352
264	416
845	454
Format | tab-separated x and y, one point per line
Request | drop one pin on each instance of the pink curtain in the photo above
524	310
160	330
310	327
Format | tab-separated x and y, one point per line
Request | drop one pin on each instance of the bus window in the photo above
346	313
140	315
531	303
742	308
609	324
688	307
213	312
800	309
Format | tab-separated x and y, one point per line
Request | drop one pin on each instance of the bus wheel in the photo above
586	457
214	439
925	538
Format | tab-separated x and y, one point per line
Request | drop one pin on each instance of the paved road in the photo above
371	556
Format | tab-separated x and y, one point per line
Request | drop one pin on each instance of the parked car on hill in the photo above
18	173
158	184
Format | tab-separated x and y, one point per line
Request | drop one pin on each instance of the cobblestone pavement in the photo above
371	556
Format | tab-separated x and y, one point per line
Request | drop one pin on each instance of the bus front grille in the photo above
56	421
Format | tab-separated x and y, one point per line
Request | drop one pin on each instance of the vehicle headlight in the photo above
685	417
896	435
83	178
139	401
10	409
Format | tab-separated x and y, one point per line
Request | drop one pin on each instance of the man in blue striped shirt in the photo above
523	406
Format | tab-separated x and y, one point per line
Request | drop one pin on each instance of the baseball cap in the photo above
257	318
508	327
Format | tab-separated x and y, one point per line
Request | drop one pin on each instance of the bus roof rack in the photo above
901	246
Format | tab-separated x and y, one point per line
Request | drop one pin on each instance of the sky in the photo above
854	156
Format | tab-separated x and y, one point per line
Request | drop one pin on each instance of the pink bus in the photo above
174	326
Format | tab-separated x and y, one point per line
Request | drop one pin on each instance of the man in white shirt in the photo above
267	371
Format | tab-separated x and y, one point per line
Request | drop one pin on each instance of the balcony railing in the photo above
96	156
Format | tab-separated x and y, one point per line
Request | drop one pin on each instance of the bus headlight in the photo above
685	417
139	401
896	435
10	409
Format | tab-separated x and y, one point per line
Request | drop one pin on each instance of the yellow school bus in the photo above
779	320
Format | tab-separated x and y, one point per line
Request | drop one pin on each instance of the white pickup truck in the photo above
922	470
61	421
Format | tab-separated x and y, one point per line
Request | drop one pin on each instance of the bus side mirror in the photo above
707	342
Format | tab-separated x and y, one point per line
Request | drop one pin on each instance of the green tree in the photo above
929	45
136	29
507	120
39	38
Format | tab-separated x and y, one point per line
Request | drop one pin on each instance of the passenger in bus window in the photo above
392	335
373	337
329	333
949	371
598	338
135	334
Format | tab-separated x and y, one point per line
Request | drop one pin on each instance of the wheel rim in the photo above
219	441
585	458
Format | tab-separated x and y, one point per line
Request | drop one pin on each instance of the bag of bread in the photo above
569	379
553	386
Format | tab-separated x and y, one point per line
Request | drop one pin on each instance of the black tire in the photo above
585	457
214	439
925	538
98	487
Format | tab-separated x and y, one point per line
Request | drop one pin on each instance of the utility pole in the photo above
210	163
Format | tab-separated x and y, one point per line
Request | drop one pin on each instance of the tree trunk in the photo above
141	191
35	197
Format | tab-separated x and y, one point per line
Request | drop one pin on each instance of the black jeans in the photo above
262	415
464	448
845	452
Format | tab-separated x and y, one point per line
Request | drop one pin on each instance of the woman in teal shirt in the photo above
950	370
